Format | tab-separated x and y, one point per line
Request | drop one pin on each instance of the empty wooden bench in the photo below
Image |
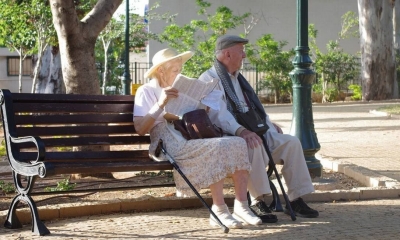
35	125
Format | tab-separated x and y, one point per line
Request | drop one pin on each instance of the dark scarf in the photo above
231	94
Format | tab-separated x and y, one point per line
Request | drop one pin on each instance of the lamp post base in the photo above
314	166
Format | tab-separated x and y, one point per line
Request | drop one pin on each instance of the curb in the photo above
162	204
378	186
363	175
384	114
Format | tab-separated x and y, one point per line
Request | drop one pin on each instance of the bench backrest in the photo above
63	121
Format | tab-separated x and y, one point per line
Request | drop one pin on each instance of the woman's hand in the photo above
167	94
170	117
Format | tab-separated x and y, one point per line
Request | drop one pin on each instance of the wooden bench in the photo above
35	125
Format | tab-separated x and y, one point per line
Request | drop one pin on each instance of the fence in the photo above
250	72
137	70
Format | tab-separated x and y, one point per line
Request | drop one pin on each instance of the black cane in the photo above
272	164
172	161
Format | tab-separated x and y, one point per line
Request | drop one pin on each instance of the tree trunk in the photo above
324	88
43	74
50	78
77	40
376	39
105	73
396	40
21	61
55	83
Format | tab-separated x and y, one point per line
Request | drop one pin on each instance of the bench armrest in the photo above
36	167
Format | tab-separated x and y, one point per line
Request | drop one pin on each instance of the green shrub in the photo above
7	187
331	94
357	92
3	151
63	185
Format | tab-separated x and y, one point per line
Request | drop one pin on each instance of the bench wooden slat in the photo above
85	141
34	107
86	155
70	98
75	130
104	167
73	119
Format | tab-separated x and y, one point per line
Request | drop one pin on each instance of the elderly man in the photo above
238	95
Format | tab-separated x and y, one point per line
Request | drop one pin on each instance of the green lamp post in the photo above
126	78
302	78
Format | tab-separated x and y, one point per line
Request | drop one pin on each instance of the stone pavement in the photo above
362	144
373	219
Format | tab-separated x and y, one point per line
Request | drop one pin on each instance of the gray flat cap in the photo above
226	41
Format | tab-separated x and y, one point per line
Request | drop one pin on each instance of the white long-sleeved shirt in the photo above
223	118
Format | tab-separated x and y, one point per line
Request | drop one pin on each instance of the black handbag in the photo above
252	121
196	124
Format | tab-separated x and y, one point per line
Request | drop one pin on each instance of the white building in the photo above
277	17
9	71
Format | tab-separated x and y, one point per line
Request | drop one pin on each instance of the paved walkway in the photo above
350	135
343	220
354	141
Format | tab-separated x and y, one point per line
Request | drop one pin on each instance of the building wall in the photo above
278	17
11	82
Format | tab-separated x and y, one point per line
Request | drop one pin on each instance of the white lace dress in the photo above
203	161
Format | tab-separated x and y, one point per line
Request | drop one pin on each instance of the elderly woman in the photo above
205	162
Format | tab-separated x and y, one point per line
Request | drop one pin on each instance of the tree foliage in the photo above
270	59
15	32
334	68
110	46
201	34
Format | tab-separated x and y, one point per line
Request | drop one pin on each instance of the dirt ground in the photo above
90	188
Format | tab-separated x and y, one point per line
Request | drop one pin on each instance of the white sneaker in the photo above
223	214
242	212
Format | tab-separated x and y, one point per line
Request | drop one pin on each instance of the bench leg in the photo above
276	204
12	220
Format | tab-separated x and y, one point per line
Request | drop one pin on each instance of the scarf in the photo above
231	94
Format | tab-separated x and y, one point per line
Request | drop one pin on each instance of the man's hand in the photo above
252	139
278	129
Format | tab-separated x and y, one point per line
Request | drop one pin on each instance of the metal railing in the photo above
137	70
249	71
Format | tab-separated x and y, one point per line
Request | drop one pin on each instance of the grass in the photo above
3	148
63	185
393	109
7	187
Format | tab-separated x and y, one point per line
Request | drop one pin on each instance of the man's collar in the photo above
235	74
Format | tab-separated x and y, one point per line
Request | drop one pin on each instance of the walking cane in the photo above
272	164
172	161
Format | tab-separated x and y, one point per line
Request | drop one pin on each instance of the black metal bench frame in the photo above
36	124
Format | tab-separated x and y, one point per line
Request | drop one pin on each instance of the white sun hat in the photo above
164	56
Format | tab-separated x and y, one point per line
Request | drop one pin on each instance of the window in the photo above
13	66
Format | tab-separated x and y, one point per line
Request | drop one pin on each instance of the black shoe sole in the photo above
268	220
302	215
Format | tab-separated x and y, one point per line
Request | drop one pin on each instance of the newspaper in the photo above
191	92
